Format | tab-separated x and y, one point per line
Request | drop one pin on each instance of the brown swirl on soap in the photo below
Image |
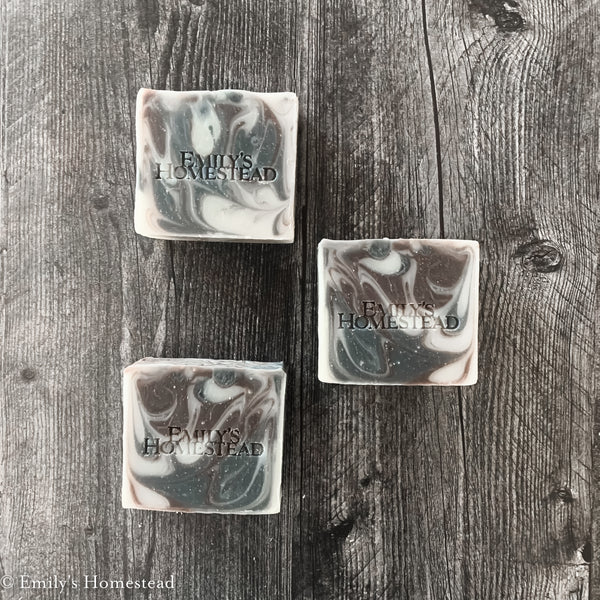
242	130
202	439
398	312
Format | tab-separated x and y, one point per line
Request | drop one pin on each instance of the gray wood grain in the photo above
471	120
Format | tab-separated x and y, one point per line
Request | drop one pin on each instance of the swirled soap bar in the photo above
203	435
216	166
398	312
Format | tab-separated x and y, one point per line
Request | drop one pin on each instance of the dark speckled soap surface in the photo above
398	311
203	435
216	165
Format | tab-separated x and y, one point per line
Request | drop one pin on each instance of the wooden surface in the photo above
474	120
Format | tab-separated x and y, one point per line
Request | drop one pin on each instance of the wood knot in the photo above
587	553
508	21
28	374
342	530
564	494
504	12
100	202
543	256
369	478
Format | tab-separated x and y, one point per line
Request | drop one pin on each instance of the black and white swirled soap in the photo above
398	312
216	165
203	435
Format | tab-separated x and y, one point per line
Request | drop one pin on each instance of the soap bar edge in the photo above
275	367
324	372
139	222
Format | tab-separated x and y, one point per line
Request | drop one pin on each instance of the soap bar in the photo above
398	312
216	166
203	435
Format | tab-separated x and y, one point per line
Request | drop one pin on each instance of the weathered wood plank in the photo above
225	300
382	469
71	259
591	549
518	135
88	296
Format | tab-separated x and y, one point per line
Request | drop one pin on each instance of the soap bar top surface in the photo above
203	435
216	165
398	311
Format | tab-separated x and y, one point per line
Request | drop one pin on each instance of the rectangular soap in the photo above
203	435
216	165
398	312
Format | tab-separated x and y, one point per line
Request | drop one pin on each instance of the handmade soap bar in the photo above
216	166
203	435
398	312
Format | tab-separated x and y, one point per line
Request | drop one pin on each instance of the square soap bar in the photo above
398	312
203	435
216	166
